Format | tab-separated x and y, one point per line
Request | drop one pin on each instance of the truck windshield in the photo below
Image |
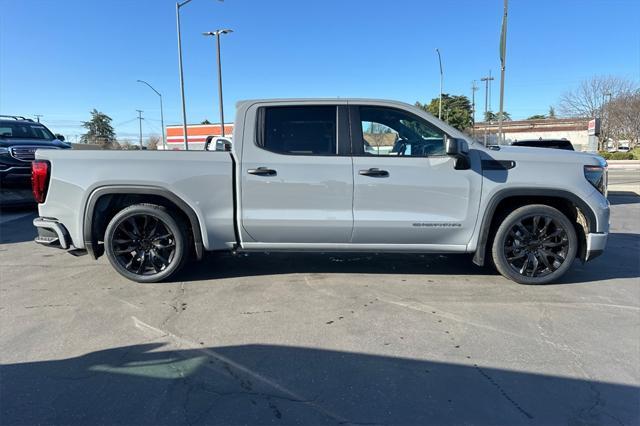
25	131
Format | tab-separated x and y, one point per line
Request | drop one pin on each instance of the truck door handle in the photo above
373	172
262	171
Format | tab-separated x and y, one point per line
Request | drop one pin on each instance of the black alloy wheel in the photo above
145	243
534	244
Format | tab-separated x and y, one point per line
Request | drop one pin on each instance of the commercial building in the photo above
572	129
197	135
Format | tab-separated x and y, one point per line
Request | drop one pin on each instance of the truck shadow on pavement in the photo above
620	260
269	384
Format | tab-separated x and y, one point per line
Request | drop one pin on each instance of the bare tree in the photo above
153	141
590	97
624	117
125	144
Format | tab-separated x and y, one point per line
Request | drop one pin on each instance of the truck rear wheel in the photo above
534	244
146	243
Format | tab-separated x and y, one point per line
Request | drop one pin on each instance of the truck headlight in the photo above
597	176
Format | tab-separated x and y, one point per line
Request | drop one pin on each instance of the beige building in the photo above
572	129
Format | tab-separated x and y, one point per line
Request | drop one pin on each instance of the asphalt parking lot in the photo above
318	339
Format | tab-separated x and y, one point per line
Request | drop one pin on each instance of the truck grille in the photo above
26	153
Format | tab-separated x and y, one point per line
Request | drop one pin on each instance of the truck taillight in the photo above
40	179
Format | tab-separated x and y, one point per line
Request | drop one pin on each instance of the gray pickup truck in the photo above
348	175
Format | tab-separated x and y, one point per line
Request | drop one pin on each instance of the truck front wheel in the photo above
146	243
535	244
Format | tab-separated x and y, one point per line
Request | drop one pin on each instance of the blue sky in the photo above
63	58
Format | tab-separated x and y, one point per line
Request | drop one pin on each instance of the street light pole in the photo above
441	77
217	34
184	109
164	140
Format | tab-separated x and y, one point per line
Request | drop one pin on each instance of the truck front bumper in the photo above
596	242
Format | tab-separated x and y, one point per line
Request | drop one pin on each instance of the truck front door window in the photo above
391	132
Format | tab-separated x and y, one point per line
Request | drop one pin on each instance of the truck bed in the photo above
202	179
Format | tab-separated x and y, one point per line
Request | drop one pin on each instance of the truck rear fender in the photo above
105	202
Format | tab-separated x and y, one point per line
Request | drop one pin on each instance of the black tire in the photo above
146	243
534	244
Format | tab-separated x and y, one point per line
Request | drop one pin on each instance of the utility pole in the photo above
441	78
140	122
474	89
503	60
486	102
37	116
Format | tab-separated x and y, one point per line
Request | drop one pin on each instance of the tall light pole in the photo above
217	34
441	77
184	109
164	141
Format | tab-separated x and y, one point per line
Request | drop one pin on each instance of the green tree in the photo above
490	116
537	117
552	113
456	110
205	121
99	129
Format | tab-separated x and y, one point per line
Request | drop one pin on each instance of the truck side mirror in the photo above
218	144
59	137
458	148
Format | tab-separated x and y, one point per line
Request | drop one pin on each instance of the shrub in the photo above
618	155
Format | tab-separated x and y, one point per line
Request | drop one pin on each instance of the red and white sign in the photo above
197	135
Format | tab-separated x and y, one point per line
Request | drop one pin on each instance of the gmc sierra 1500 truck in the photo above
327	175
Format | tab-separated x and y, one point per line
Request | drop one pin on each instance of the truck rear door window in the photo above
298	130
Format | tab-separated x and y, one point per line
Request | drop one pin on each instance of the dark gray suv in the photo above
19	139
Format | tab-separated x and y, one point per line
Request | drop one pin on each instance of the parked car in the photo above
19	139
300	177
545	143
